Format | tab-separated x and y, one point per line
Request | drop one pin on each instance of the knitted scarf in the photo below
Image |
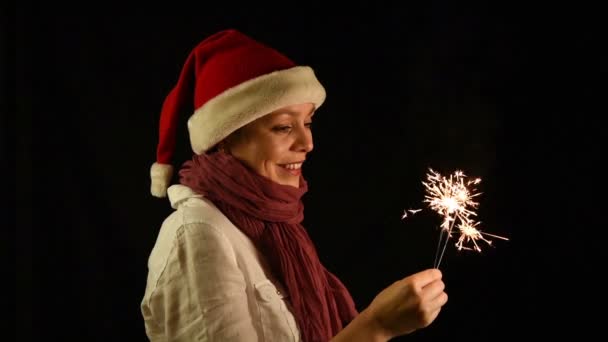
270	214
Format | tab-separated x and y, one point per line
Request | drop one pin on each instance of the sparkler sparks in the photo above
453	198
412	211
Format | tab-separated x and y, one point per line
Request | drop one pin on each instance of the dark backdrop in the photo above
505	93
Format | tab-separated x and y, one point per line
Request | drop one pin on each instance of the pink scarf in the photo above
270	215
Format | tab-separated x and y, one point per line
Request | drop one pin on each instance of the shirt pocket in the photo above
278	323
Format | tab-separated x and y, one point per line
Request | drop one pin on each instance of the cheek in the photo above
271	155
265	158
272	151
264	153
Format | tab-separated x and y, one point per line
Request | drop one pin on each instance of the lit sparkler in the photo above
453	198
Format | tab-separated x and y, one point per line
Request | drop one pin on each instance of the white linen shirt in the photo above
207	282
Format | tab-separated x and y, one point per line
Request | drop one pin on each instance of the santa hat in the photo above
227	81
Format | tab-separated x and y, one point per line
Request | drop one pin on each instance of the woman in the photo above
233	262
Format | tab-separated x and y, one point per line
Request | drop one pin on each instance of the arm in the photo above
407	305
361	328
204	293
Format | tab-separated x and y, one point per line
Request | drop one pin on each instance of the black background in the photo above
506	93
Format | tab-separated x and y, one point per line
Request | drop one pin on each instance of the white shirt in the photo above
207	281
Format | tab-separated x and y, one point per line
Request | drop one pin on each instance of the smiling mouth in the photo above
293	168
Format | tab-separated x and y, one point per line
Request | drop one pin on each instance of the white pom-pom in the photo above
160	175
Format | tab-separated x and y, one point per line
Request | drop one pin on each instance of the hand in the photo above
408	304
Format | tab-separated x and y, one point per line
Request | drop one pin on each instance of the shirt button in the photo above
266	293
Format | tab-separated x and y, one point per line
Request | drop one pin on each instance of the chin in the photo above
294	183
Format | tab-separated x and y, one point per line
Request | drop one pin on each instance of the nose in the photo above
303	141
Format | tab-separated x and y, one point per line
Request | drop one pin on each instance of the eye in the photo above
308	125
282	129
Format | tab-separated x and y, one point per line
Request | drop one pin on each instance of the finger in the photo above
433	289
432	317
439	300
426	277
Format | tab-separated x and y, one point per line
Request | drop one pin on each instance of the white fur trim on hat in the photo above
161	176
251	100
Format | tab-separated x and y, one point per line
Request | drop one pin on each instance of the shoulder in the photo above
198	228
198	216
191	223
192	208
195	223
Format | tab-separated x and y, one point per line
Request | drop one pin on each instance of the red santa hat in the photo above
228	80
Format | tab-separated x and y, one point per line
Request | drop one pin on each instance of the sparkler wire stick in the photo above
448	235
438	248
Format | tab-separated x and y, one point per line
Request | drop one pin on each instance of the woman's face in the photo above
275	145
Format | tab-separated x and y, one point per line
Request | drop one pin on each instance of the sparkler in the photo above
453	198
